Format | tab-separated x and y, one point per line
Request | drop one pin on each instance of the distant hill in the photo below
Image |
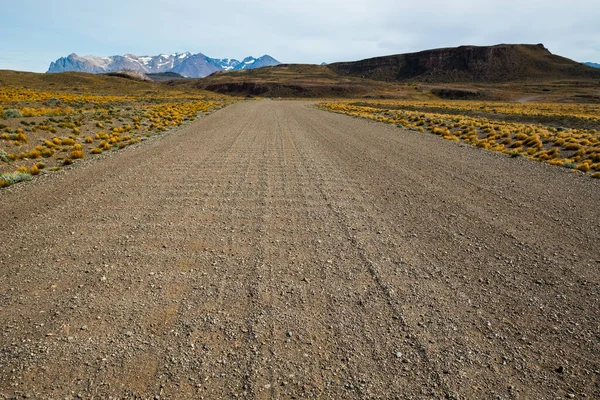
165	76
118	83
591	64
286	80
489	64
186	64
128	74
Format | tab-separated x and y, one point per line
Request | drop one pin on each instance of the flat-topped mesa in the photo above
499	63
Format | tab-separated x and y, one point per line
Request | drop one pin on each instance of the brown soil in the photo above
272	250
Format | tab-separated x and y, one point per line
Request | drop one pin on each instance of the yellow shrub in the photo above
521	136
518	143
35	153
76	154
572	146
47	153
583	167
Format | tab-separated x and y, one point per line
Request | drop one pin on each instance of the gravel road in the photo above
272	250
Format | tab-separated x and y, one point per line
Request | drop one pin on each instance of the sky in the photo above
33	33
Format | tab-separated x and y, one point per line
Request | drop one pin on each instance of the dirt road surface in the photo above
273	250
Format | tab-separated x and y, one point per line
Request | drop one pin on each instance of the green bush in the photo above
53	102
515	154
12	113
4	156
10	178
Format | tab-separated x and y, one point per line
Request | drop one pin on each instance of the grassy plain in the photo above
50	121
560	134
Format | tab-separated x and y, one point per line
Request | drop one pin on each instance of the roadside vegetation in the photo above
566	135
42	131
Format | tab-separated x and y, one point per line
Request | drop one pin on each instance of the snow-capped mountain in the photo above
251	62
186	64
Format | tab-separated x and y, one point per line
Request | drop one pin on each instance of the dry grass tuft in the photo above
76	154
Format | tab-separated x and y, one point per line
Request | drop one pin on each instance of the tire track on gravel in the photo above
342	211
271	250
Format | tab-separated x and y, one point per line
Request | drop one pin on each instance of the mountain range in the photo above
447	70
591	64
186	64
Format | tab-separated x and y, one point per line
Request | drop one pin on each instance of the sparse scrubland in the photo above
566	135
42	130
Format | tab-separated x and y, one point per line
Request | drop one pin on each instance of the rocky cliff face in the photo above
501	63
73	62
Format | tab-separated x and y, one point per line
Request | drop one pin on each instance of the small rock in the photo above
84	328
129	333
103	279
560	369
290	334
398	355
